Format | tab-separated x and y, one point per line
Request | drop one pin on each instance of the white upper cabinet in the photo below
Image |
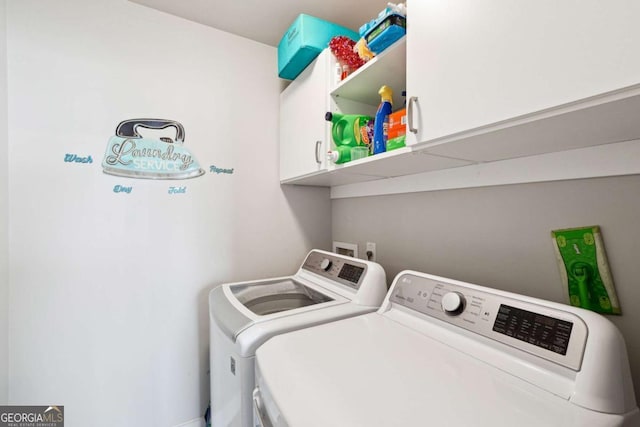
303	131
476	66
487	81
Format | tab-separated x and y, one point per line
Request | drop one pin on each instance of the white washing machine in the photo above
440	352
244	315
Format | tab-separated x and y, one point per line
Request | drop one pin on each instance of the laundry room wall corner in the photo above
263	213
311	209
305	212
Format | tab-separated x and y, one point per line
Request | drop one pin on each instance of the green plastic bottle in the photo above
341	154
348	130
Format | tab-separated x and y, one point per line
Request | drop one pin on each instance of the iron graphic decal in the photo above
130	155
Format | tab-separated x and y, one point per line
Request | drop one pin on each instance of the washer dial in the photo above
453	303
326	264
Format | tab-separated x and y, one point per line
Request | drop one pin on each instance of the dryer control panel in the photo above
547	332
347	271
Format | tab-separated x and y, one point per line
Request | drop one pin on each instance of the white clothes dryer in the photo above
441	352
244	315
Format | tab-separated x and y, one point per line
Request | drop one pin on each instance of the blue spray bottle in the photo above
382	120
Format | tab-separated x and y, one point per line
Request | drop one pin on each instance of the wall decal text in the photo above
217	170
122	189
74	158
177	190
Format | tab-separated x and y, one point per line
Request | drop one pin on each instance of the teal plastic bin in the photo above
303	42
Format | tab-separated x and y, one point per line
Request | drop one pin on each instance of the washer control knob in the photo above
326	264
453	303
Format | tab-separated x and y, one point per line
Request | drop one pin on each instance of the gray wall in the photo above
500	237
4	197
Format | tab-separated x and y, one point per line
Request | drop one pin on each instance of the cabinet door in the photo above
303	130
473	63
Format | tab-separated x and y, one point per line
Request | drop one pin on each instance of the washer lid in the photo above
372	371
225	315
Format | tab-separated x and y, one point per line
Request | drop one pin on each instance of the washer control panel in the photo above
544	331
347	271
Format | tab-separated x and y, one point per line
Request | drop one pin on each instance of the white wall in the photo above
500	237
4	210
108	309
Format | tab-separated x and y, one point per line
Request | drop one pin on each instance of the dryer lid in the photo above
373	371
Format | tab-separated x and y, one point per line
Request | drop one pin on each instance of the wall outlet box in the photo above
348	249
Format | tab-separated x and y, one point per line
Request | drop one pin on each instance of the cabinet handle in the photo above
318	144
412	100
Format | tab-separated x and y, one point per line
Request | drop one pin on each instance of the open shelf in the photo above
388	68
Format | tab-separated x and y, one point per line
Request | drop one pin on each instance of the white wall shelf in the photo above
388	68
605	125
618	159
